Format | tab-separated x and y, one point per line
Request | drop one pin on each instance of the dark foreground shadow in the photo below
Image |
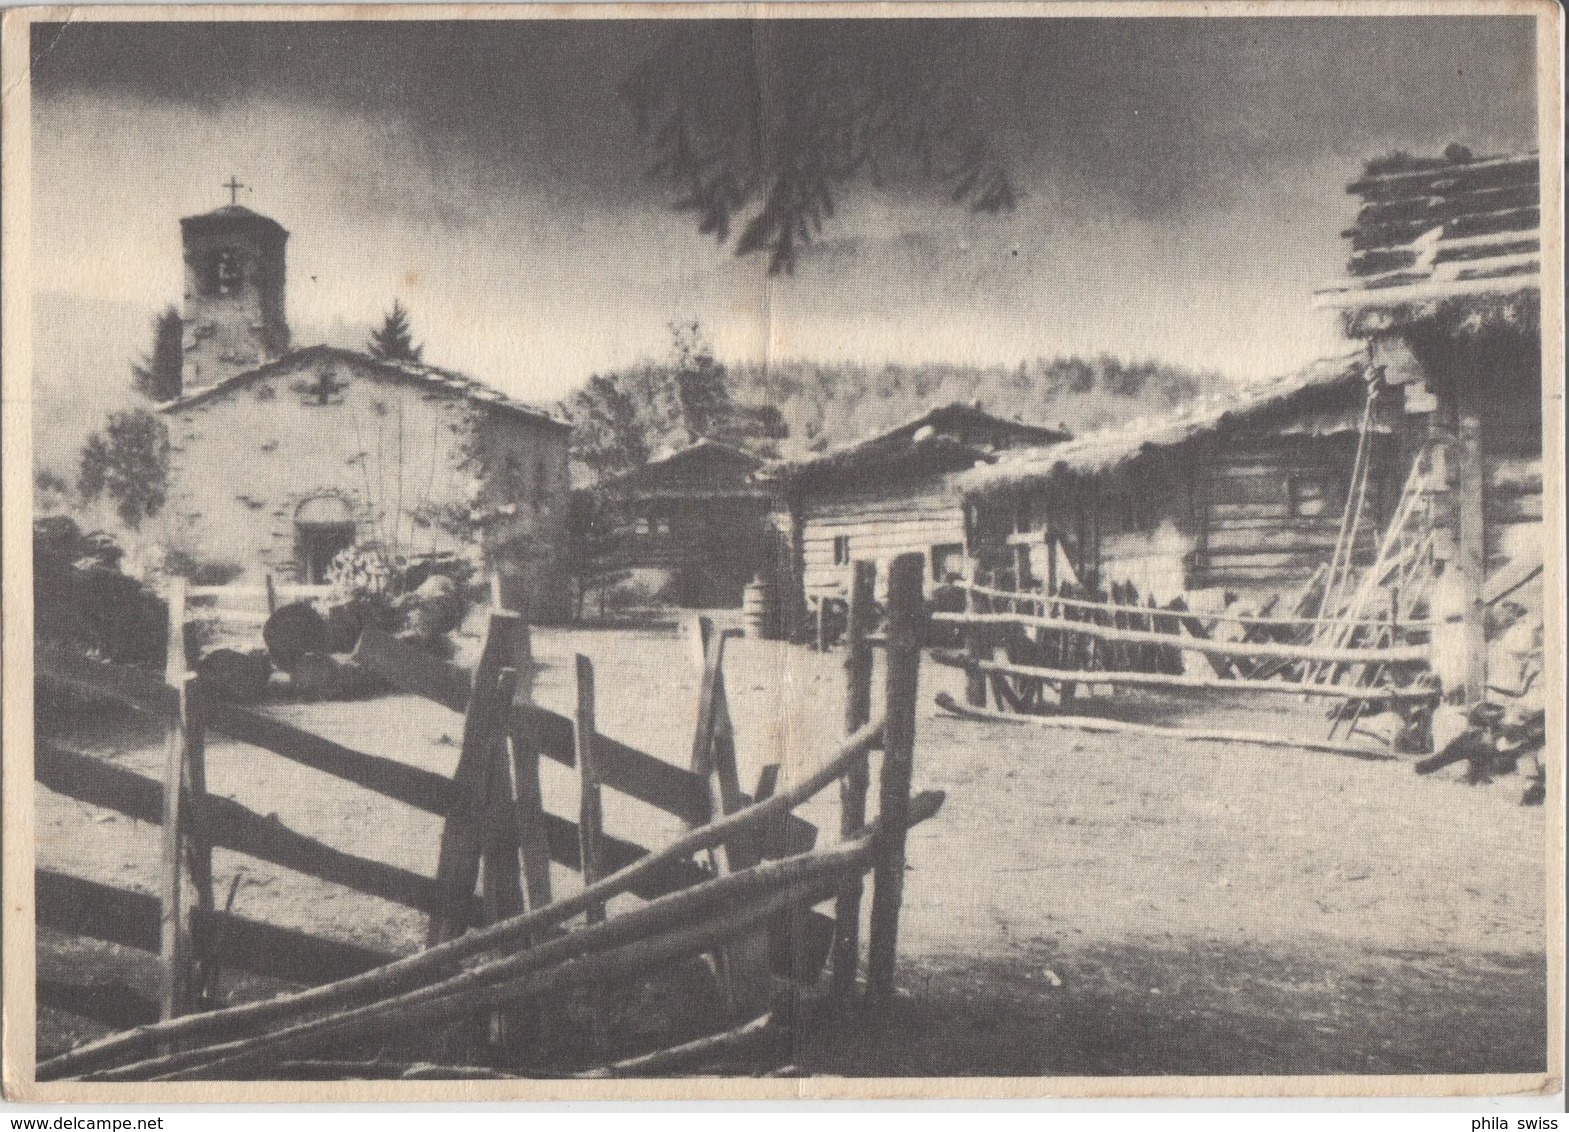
1198	1009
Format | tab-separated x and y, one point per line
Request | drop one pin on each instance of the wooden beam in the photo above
99	911
743	962
906	624
111	1004
230	826
410	670
121	683
1471	547
1042	600
283	953
529	799
626	769
245	831
422	789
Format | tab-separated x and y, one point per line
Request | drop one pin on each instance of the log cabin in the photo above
893	494
697	516
1243	493
1444	284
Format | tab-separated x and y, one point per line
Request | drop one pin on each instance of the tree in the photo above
700	382
610	428
621	420
394	342
129	463
158	376
765	121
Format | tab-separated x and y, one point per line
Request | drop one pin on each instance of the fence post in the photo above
198	837
272	596
529	812
743	963
175	986
975	645
591	817
853	787
906	616
502	889
590	809
465	835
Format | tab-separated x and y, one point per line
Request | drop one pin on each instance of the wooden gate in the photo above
492	890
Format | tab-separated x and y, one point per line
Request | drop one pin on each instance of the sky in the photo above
1183	191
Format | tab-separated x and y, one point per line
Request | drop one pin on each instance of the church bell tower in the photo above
234	314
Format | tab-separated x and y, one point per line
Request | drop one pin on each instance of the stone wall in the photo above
421	469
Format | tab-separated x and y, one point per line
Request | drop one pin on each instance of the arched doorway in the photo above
323	528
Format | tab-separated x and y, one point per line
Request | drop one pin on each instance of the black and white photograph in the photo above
818	552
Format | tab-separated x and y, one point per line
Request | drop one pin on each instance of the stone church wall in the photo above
420	469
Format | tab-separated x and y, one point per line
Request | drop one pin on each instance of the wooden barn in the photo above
697	515
1444	285
1246	494
894	494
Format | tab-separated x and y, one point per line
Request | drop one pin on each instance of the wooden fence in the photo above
1065	643
492	889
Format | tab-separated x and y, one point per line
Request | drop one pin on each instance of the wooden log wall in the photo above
881	525
1252	536
1512	504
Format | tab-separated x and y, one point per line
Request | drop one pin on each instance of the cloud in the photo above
1183	179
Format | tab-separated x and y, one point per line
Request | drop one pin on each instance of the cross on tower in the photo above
234	187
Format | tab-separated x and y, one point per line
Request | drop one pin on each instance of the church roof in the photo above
230	213
450	381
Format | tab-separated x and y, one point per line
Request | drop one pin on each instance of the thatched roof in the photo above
1322	400
1454	241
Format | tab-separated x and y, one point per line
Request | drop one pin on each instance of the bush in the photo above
198	572
81	599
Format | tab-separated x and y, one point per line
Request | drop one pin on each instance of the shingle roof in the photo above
1304	395
1438	231
451	381
721	470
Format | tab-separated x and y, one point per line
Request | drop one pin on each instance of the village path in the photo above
1083	904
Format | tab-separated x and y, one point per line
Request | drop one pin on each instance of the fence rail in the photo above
1213	617
952	658
1404	654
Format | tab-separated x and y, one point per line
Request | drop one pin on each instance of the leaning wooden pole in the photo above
685	922
854	785
906	620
